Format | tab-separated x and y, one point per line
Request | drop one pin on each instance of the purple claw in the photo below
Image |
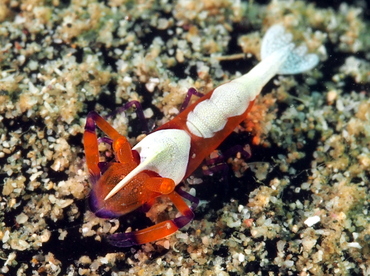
105	140
90	121
139	112
219	163
129	239
192	91
194	200
123	239
101	213
180	222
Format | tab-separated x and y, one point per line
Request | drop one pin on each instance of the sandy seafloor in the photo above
298	206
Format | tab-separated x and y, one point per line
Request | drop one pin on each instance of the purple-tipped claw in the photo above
192	91
194	200
159	230
139	112
102	212
123	239
106	140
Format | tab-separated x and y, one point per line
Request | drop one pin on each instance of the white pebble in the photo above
6	236
21	218
241	257
148	113
312	221
354	245
11	257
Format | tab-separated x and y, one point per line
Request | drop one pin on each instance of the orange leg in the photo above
121	146
161	229
91	148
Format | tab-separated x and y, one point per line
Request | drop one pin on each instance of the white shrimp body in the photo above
233	98
200	129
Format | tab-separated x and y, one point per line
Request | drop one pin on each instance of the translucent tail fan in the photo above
297	61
